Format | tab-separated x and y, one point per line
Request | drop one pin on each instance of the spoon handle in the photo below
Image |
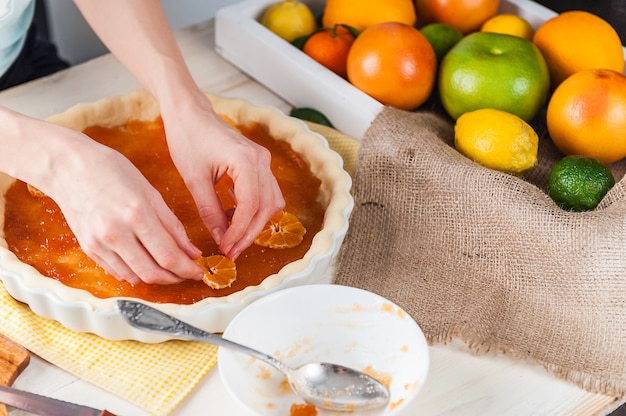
146	317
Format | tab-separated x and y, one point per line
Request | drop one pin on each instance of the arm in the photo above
203	147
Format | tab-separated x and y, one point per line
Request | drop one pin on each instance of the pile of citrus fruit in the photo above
492	72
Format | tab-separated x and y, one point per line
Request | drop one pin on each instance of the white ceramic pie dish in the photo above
79	310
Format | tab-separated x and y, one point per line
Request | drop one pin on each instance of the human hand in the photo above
204	148
119	219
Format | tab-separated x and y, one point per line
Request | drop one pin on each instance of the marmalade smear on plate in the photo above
38	234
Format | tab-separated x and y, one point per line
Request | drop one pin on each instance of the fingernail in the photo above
234	254
197	251
226	251
217	234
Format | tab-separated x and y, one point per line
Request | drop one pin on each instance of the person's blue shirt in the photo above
15	18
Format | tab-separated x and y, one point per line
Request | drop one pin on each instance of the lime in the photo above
310	114
442	37
579	183
497	140
289	19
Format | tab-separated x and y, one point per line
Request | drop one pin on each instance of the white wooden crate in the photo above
241	39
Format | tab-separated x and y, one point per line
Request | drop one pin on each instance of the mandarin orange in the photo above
577	40
219	271
330	47
283	230
394	63
587	115
465	15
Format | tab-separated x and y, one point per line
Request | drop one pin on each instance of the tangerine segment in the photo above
283	230
219	271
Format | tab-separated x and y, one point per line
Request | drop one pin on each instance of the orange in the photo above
394	63
577	40
283	230
219	271
465	15
587	115
361	14
330	47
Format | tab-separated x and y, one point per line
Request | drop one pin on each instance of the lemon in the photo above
497	140
509	24
289	19
578	183
442	37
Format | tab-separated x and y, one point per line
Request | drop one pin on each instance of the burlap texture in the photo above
487	257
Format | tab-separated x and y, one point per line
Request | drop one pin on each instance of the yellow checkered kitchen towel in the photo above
132	370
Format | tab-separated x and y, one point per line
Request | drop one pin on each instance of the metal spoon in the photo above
327	386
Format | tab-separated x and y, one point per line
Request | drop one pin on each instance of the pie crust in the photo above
81	311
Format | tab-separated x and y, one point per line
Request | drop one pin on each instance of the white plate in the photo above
329	323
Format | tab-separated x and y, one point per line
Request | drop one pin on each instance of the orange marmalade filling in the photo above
38	234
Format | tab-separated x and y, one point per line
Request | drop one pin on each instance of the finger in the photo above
147	268
254	229
210	210
116	267
270	201
138	253
160	259
177	231
247	205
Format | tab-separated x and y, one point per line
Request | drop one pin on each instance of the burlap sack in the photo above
488	257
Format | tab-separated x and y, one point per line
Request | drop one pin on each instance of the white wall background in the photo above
77	42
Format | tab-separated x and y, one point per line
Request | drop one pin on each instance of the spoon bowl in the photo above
325	385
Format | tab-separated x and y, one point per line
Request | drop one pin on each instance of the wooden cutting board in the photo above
13	359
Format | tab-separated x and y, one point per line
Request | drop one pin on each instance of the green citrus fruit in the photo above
442	37
494	70
310	114
289	19
579	183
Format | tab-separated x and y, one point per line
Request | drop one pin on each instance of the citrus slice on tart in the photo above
219	271
283	230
